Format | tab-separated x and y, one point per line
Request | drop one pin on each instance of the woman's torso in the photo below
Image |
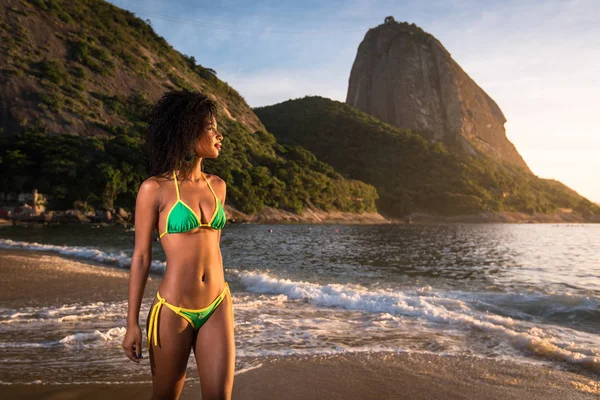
194	273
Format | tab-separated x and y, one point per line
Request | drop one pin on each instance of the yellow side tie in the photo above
153	326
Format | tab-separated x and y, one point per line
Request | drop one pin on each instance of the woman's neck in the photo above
194	173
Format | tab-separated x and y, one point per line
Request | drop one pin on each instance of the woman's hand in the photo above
132	344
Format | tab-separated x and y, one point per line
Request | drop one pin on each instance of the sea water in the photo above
523	292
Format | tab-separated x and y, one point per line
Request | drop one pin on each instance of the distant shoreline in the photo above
319	217
508	217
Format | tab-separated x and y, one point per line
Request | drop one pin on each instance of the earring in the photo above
188	157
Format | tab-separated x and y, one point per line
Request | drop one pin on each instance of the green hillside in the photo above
77	81
411	174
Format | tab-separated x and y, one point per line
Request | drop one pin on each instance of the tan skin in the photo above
193	279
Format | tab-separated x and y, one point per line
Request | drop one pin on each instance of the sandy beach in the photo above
38	279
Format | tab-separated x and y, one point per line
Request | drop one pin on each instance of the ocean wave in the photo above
515	319
434	307
540	304
65	313
80	338
120	259
111	334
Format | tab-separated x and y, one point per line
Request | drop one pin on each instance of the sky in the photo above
539	60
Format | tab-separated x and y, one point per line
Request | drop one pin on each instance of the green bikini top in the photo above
182	218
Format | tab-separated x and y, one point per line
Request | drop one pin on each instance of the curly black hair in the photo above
175	122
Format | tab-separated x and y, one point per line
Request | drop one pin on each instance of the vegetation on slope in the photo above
80	77
411	174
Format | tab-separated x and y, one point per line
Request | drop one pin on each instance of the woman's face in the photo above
209	142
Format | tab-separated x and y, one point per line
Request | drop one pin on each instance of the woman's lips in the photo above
218	146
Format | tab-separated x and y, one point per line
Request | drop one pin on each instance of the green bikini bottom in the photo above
196	318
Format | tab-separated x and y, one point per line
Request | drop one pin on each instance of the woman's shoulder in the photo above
151	185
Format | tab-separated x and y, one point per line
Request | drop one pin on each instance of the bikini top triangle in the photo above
182	218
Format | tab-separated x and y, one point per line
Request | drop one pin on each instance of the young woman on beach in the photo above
192	310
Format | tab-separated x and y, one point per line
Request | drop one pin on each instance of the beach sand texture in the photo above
40	279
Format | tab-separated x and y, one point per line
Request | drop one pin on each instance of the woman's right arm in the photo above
146	213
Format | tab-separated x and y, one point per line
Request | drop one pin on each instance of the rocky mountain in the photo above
413	175
405	77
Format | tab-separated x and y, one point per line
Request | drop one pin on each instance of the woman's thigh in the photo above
214	349
168	360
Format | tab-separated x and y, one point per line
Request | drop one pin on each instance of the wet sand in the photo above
36	279
375	376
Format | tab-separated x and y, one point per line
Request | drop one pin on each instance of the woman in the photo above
193	306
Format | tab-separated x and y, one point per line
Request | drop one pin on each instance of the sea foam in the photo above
543	340
120	259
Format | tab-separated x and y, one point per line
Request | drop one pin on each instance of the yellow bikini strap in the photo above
210	187
153	317
176	186
153	325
